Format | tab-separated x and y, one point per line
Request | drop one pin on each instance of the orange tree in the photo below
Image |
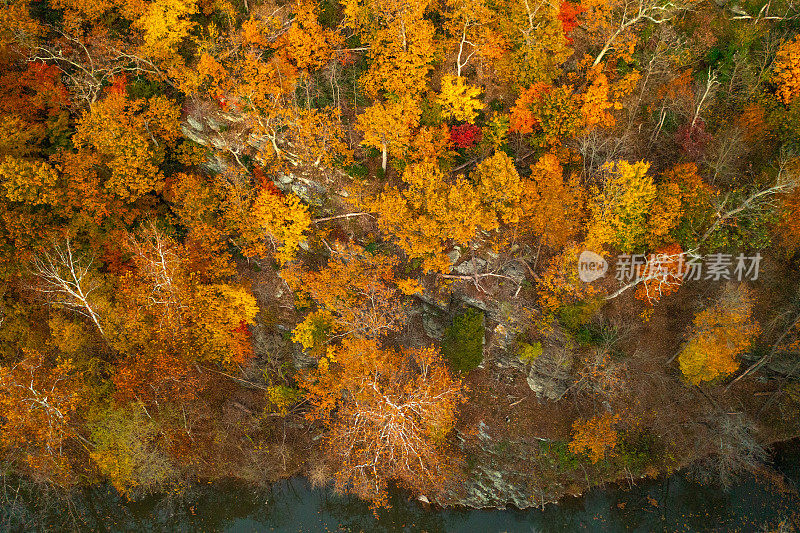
596	437
786	72
124	134
553	203
357	289
388	413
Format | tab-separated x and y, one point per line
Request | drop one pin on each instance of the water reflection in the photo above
673	504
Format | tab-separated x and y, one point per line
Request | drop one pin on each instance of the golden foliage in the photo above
553	203
458	100
389	125
401	44
356	289
31	182
433	209
720	333
596	101
307	44
165	24
220	314
620	210
281	221
123	134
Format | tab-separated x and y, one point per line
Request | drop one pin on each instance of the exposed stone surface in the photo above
301	359
549	375
453	256
495	483
470	267
434	325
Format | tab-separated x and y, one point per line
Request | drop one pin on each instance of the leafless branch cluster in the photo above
88	65
46	399
158	262
638	11
65	280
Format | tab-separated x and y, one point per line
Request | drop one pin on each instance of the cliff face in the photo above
511	441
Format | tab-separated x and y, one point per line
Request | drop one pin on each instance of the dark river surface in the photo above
675	503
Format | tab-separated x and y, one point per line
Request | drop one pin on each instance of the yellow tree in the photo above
432	210
500	188
719	334
307	44
388	126
164	25
458	100
263	221
401	44
219	316
596	100
619	212
536	40
29	182
284	221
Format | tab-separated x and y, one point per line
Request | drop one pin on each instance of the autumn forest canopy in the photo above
251	239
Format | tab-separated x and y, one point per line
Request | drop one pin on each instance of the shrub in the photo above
528	353
463	341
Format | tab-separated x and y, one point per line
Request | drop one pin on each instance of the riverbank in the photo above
674	503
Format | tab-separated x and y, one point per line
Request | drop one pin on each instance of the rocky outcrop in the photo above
549	375
498	478
228	137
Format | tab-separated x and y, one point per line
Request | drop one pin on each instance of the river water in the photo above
675	503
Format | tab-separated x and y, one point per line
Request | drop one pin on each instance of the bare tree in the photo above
89	64
633	12
64	279
735	448
661	273
790	12
461	59
704	94
765	198
159	263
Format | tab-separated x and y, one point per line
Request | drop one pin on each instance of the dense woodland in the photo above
252	239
